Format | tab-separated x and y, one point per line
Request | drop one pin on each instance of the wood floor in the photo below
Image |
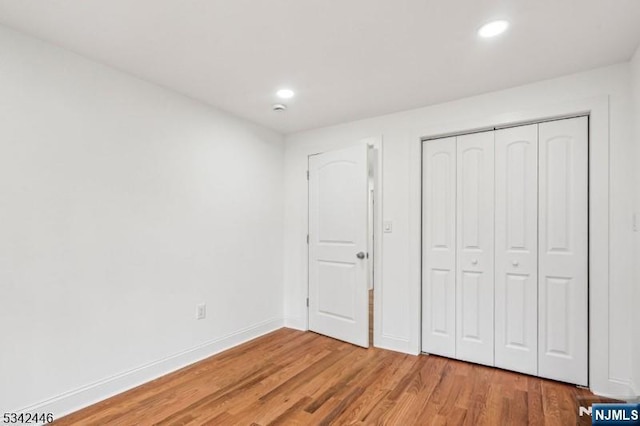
291	377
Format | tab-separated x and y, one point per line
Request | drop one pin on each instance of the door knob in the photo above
515	263
474	261
360	255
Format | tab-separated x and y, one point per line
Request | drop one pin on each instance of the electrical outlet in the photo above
201	311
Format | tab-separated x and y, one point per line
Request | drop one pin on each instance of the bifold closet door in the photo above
439	247
563	250
516	249
474	263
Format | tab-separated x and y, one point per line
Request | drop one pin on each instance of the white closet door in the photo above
563	226
516	249
439	247
474	280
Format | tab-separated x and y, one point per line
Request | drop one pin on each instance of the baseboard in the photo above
616	389
296	323
636	391
393	343
77	399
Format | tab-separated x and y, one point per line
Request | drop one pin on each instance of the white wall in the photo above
635	76
122	206
400	313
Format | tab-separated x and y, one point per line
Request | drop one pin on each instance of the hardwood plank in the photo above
286	416
290	377
375	388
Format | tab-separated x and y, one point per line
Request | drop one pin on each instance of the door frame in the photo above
375	250
601	381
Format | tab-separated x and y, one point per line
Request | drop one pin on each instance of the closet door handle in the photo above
474	261
515	263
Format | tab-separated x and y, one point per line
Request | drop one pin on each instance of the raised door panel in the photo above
439	253
474	260
516	249
563	250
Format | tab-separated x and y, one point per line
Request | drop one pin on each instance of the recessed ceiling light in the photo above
493	29
285	93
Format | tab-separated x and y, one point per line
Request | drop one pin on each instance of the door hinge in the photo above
307	302
307	174
307	238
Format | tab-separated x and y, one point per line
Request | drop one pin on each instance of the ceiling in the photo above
345	59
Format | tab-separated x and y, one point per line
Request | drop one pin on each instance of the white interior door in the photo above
474	280
563	250
439	247
516	249
338	264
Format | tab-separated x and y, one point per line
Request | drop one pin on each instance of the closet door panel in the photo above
474	278
439	246
516	249
563	250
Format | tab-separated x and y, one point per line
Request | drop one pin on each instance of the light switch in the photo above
201	311
388	227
